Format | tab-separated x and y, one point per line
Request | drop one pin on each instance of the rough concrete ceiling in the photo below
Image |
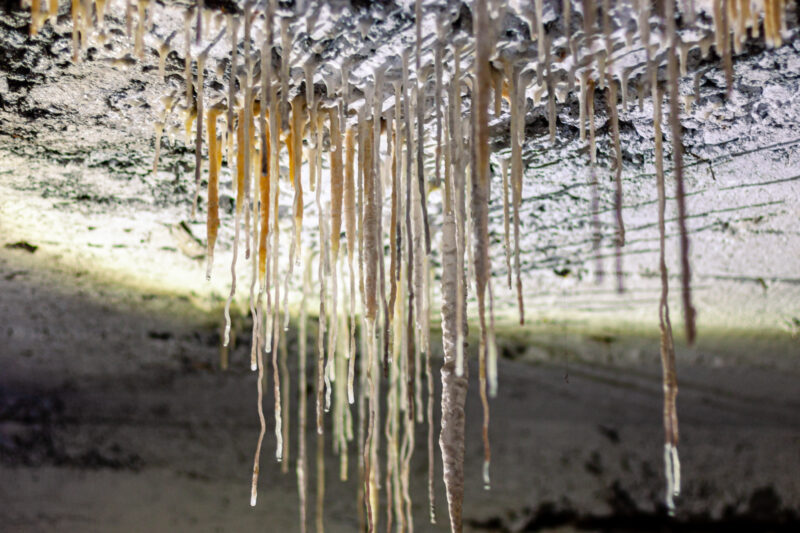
78	146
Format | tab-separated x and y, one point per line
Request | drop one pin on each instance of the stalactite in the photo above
480	200
198	146
597	234
302	409
459	187
419	91
351	236
237	218
410	386
517	95
214	154
248	113
620	240
677	154
454	384
672	467
506	220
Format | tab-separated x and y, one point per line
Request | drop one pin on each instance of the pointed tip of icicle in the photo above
253	367
487	484
253	500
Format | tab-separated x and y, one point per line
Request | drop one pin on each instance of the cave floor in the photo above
114	416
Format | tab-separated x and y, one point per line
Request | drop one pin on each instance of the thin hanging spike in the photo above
350	234
584	78
566	18
262	431
459	187
285	405
437	61
727	56
430	400
597	234
199	25
395	238
248	118
677	151
286	44
212	222
198	144
302	409
233	26
491	370
541	38
409	239
322	313
294	145
236	218
517	138
36	9
620	240
337	193
551	94
665	325
480	200
506	219
308	71
187	55
420	99
320	493
138	46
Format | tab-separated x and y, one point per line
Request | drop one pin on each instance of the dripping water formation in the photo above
566	205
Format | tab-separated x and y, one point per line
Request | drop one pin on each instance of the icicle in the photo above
233	27
677	150
248	116
551	96
541	39
410	386
419	91
302	409
214	155
198	143
506	220
187	55
582	104
459	188
597	234
36	16
454	383
285	406
350	234
480	200
620	240
518	130
321	221
437	66
672	468
286	44
138	47
337	192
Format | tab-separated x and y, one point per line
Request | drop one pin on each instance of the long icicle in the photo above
671	463
677	155
480	200
302	410
620	240
420	98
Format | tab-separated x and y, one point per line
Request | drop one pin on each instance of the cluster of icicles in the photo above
376	171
